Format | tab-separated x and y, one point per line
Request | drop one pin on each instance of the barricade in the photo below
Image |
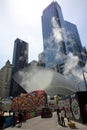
29	115
8	122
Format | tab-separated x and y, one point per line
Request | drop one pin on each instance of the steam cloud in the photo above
32	78
71	69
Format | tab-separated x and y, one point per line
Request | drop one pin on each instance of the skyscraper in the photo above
73	40
54	39
20	60
59	37
20	55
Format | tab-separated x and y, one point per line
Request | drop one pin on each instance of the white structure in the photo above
35	77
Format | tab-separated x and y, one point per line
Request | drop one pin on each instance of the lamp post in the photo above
84	79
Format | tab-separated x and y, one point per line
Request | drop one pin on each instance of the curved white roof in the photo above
38	78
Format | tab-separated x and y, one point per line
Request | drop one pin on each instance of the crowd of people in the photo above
20	116
61	113
17	118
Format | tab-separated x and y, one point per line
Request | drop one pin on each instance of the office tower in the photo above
20	60
73	41
54	39
20	55
60	37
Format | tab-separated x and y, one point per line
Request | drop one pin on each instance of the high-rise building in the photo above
20	60
54	39
20	55
73	41
59	37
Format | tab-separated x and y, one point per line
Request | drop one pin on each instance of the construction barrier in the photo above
28	116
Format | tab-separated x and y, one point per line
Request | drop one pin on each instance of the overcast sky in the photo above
22	19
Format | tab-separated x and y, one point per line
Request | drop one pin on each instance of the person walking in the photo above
14	119
20	117
68	116
62	117
2	120
24	115
59	116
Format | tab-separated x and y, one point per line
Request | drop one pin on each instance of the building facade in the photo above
5	80
20	60
20	55
54	41
73	41
60	37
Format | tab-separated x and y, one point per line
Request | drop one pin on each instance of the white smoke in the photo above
25	53
57	31
71	63
71	69
34	78
56	34
74	72
71	42
37	78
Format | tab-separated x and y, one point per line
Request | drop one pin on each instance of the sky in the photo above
22	19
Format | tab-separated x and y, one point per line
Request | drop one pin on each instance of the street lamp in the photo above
84	79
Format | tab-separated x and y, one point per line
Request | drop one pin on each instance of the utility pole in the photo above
84	79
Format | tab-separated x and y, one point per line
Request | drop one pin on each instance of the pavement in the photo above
46	124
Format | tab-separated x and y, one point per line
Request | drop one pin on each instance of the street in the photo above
39	123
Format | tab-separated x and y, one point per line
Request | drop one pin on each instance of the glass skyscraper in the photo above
20	60
20	55
59	36
54	40
73	40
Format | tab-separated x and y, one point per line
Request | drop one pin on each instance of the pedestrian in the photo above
24	115
68	116
59	116
2	120
62	117
20	117
14	119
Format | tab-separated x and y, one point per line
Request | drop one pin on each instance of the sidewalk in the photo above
46	124
78	125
